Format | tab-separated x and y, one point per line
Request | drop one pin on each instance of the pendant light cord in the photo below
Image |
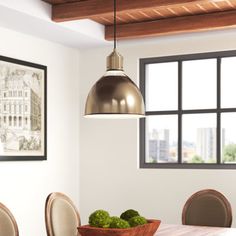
115	24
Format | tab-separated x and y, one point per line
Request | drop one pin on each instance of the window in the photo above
14	120
190	111
10	120
20	121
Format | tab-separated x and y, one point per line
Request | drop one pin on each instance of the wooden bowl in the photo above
148	229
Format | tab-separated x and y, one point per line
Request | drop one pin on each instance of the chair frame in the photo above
48	206
208	191
12	218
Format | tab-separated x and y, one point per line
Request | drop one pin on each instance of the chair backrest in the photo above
61	216
8	225
207	208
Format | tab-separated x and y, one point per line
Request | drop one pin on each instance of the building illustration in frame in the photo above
22	110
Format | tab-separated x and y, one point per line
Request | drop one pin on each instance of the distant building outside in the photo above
159	145
206	143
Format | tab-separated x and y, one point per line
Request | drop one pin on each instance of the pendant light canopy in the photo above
114	95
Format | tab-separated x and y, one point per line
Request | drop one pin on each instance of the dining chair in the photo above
207	207
8	225
61	215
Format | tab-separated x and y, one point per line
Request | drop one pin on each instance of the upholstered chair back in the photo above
207	207
61	215
8	225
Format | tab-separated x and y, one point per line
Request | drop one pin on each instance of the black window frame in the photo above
179	112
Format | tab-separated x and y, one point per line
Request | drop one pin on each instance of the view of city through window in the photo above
197	117
161	148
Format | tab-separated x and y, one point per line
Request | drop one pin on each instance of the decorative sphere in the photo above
137	220
100	219
129	214
118	223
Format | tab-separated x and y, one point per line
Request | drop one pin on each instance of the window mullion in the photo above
180	93
218	129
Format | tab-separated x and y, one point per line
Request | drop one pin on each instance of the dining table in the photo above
190	230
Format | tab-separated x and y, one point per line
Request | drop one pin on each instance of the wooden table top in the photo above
186	230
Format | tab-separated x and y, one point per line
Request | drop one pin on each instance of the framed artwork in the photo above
23	110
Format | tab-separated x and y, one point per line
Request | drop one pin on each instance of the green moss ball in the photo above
118	223
137	220
100	219
129	214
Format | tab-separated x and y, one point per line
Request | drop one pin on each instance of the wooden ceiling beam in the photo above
213	21
91	8
54	2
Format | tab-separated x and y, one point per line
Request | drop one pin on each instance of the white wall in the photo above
109	174
25	185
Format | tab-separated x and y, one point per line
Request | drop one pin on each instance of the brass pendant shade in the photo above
115	95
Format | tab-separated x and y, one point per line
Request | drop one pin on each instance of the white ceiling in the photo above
34	17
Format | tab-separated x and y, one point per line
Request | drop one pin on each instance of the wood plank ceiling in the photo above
145	18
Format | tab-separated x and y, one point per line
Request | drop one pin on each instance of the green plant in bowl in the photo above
129	214
137	220
100	219
118	223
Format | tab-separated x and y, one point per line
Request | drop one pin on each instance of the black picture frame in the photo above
23	110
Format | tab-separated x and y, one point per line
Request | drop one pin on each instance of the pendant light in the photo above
114	95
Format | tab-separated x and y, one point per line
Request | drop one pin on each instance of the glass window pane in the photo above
228	137
228	82
162	86
199	84
199	138
161	142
